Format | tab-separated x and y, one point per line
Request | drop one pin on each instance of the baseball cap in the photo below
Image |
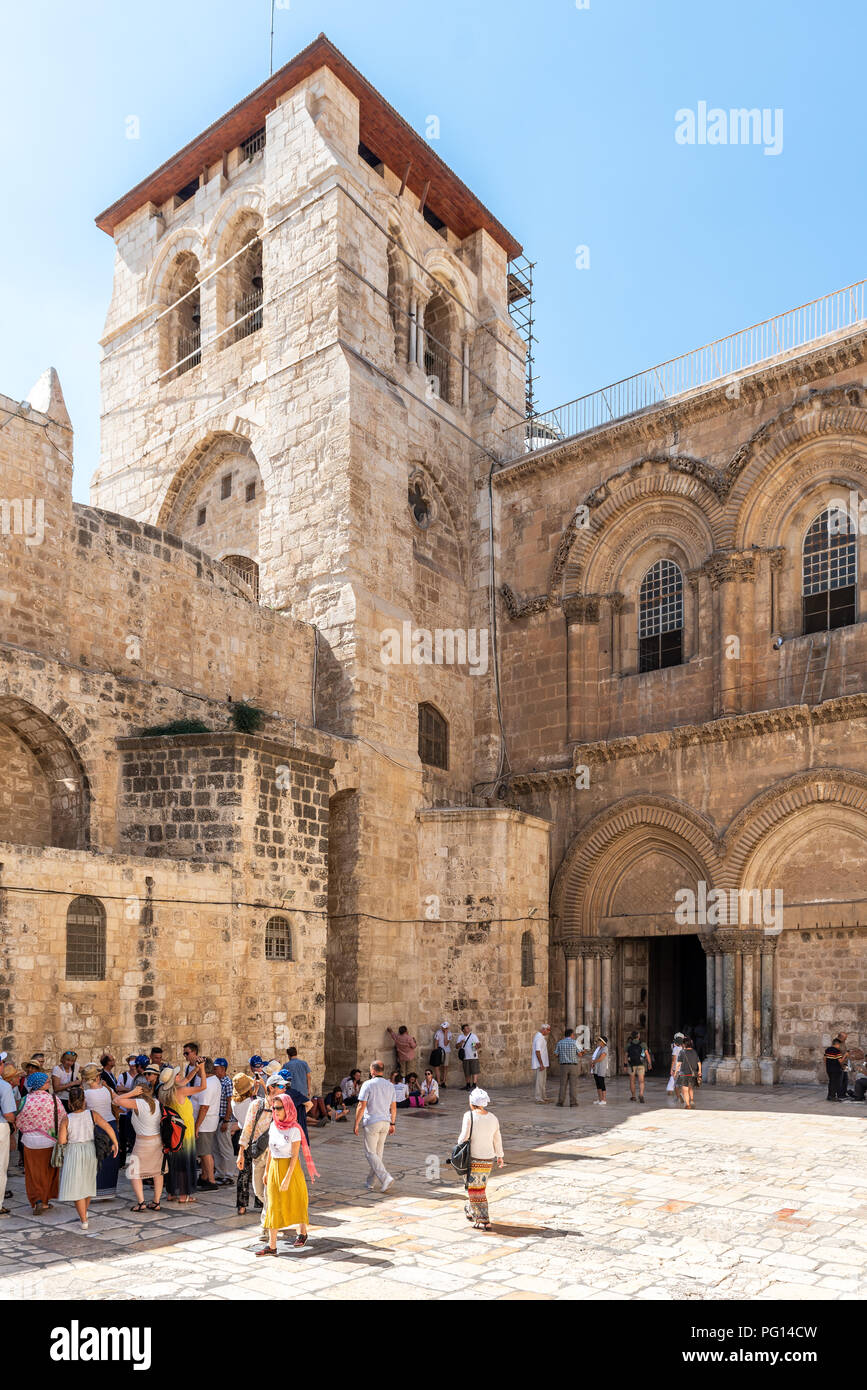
221	1062
257	1061
276	1080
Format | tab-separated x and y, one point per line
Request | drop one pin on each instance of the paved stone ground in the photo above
753	1195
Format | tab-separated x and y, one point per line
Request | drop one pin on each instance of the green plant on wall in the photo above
246	718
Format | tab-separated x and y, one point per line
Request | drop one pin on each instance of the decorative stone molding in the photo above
517	609
579	947
728	566
581	608
828	785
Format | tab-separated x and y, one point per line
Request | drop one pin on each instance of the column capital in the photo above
725	939
577	946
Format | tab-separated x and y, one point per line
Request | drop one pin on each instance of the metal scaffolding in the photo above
520	293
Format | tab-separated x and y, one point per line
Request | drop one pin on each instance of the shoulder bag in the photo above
460	1159
260	1144
57	1151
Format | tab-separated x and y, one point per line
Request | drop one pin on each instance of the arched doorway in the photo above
44	795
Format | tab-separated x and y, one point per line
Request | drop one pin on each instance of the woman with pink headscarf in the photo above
285	1188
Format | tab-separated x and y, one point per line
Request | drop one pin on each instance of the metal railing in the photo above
714	362
248	314
437	368
189	351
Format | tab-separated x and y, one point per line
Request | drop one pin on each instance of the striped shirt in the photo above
567	1051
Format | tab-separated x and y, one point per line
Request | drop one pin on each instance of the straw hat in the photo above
242	1085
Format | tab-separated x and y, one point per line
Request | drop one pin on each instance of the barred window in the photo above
830	572
247	569
278	939
660	617
528	967
433	737
85	939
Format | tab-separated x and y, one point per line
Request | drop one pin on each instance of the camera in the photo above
776	643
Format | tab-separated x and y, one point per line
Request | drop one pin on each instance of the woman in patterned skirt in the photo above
486	1146
181	1178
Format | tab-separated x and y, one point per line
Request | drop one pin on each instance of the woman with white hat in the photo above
486	1145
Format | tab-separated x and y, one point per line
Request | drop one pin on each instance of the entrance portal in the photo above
677	993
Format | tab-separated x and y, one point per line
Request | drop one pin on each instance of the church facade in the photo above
351	700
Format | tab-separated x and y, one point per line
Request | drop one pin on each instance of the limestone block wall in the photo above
822	983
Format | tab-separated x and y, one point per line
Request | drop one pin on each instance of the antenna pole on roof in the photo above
271	51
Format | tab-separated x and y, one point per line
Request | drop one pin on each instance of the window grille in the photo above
248	314
246	568
251	492
225	486
189	350
85	939
433	737
830	572
278	939
660	617
253	144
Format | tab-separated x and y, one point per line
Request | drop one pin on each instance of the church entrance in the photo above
676	993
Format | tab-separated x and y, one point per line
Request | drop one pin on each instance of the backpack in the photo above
636	1053
172	1129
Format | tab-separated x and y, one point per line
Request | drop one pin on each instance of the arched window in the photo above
85	939
240	283
185	318
278	939
528	966
440	367
433	737
247	569
660	617
830	572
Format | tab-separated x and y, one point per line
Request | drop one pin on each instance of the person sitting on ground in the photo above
401	1090
430	1089
337	1108
414	1094
319	1113
350	1086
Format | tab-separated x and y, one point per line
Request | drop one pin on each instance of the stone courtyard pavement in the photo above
754	1195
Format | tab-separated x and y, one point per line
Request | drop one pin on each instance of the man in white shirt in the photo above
376	1111
443	1040
469	1043
207	1123
540	1064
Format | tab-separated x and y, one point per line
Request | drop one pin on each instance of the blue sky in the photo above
561	119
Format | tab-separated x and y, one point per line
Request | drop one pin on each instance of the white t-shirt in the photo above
599	1061
239	1109
64	1077
440	1040
280	1141
401	1090
99	1099
469	1042
540	1045
210	1097
431	1088
143	1122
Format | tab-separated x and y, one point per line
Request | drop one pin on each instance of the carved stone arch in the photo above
239	284
433	480
235	203
837	411
202	459
441	268
648	821
684	478
54	742
765	813
806	480
183	239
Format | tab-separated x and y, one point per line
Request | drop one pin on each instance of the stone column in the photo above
728	1070
605	991
711	957
580	610
590	992
413	328
769	1067
465	374
750	946
571	989
718	1003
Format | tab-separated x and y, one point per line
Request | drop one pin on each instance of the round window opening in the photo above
420	504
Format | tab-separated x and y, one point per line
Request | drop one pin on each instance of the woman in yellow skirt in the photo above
285	1188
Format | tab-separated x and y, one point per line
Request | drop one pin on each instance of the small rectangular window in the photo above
253	144
251	492
203	512
370	158
188	191
433	221
226	486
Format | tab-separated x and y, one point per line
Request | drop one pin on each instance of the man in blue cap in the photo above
224	1153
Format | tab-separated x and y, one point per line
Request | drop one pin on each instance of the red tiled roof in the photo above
382	129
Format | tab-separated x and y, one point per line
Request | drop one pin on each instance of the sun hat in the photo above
221	1062
479	1097
168	1074
9	1072
132	1058
35	1080
275	1079
242	1085
152	1069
